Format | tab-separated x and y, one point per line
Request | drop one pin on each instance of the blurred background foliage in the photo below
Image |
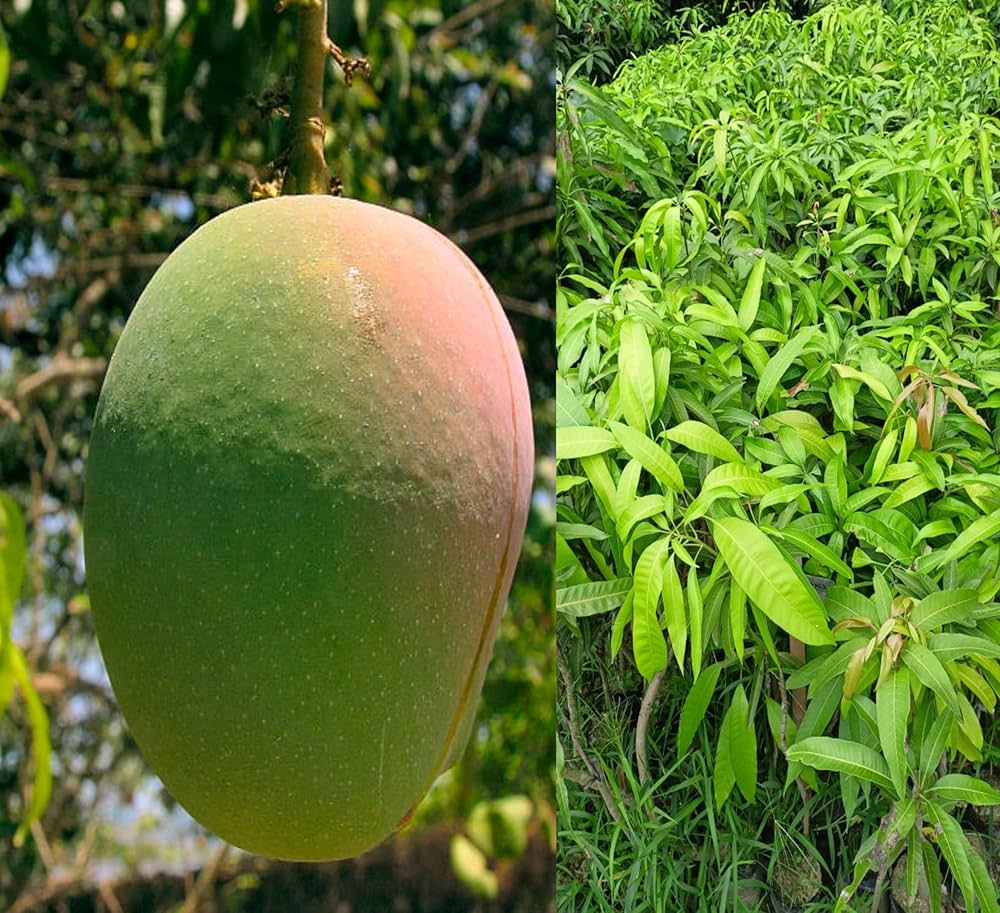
122	128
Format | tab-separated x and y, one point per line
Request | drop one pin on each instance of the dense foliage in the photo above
778	492
123	126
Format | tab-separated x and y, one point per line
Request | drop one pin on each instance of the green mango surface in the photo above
307	486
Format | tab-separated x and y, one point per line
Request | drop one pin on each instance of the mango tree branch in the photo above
306	163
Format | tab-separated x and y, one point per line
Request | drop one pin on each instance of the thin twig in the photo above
652	689
574	732
206	877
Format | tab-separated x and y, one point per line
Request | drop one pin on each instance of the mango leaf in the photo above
739	477
947	646
928	669
944	607
696	616
569	410
673	611
751	294
737	751
636	377
594	598
816	549
963	788
653	457
853	758
41	748
955	848
892	704
583	440
764	573
695	706
648	643
779	363
701	438
985	529
874	530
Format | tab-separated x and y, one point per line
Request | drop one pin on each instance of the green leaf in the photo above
594	598
982	881
737	751
882	456
696	615
944	607
776	589
4	62
41	748
637	380
582	441
695	706
648	643
928	669
673	611
816	549
908	490
853	758
873	383
892	704
569	410
653	457
934	745
982	530
701	438
741	478
947	646
874	530
955	848
751	294
963	788
779	363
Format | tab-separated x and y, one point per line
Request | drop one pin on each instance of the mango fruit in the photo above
307	485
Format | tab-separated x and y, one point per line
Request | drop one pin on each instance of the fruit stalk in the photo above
306	163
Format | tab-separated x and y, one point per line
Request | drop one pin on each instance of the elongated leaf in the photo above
738	617
767	578
874	530
737	751
984	529
652	456
41	748
595	598
816	549
824	753
955	848
934	744
947	647
569	409
695	614
695	705
928	669
751	294
701	438
944	607
583	440
985	886
636	377
648	642
740	477
779	363
673	611
963	788
892	703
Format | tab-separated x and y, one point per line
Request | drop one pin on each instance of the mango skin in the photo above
307	486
